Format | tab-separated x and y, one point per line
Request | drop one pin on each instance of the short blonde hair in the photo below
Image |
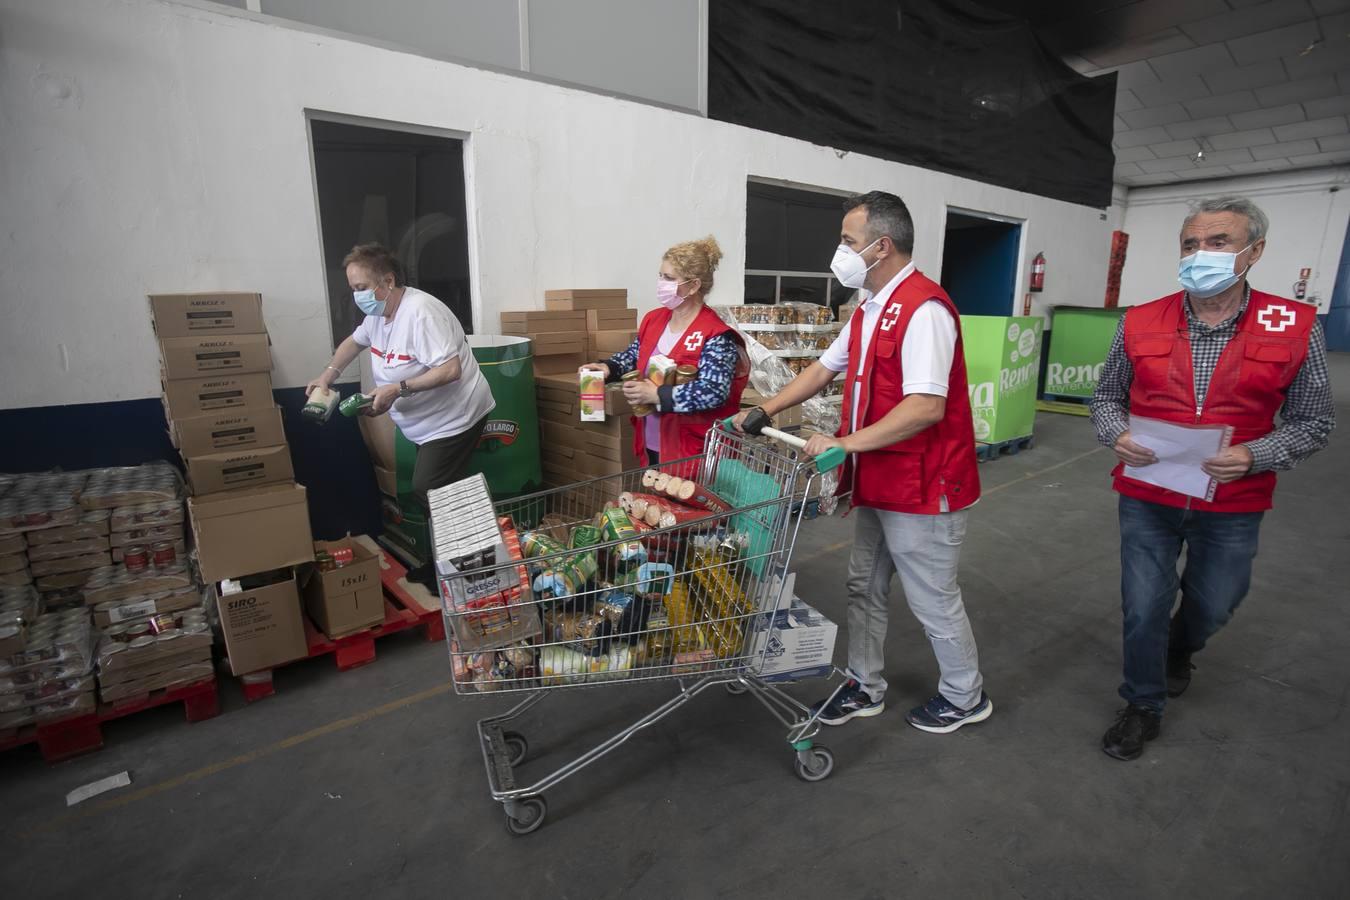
696	259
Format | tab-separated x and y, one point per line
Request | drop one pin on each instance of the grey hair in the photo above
1257	222
887	216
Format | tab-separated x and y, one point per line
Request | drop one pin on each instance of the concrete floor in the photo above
370	783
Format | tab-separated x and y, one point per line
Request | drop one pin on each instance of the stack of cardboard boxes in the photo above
574	450
250	521
593	324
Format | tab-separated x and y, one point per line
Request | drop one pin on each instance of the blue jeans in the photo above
1220	548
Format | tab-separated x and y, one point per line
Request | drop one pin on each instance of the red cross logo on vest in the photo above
1276	318
694	341
890	317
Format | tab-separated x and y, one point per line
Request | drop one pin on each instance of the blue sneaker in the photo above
851	702
937	716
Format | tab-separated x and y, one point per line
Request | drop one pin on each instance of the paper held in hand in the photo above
1181	450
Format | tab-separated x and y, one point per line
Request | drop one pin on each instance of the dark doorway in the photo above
979	263
404	190
790	236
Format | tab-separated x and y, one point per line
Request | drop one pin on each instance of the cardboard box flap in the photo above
247	500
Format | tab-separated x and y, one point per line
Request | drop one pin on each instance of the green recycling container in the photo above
1003	358
508	452
1079	341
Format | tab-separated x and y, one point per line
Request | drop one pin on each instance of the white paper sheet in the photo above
1180	449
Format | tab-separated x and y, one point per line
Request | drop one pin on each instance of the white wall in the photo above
1308	213
156	146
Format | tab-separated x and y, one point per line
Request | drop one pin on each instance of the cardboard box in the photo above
201	396
597	298
387	481
611	319
561	364
539	320
606	343
555	343
349	599
251	530
192	315
263	627
115	613
211	473
201	357
229	430
797	642
378	433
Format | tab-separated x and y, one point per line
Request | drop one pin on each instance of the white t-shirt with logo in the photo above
423	335
925	355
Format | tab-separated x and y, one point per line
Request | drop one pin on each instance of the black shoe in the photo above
1134	725
424	575
850	702
1179	670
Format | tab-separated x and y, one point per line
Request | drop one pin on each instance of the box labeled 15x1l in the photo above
348	598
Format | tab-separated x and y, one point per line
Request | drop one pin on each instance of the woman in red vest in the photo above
687	332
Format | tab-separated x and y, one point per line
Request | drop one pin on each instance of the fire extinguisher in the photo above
1301	286
1038	273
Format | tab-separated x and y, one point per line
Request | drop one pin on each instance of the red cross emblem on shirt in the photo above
890	317
1276	318
693	341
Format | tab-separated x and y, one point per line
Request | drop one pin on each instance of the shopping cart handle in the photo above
830	459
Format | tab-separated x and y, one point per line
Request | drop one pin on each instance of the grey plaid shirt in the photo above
1306	419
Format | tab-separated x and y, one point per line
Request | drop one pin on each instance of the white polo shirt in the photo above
927	351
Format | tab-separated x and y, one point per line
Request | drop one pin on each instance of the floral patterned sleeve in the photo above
716	370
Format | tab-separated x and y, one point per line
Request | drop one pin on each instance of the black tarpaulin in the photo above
943	84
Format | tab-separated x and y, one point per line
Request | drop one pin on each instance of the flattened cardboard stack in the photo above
577	451
250	520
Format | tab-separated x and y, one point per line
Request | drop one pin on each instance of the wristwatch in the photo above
404	390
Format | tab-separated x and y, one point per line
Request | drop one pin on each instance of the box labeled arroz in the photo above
797	642
190	315
203	357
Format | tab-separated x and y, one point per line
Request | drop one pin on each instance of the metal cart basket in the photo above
670	573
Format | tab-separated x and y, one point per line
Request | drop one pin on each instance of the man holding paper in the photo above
1188	399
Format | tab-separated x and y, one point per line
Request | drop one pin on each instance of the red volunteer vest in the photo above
912	475
1246	390
682	433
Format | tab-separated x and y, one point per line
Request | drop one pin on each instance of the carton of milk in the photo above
796	642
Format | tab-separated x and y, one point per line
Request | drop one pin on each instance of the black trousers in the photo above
444	460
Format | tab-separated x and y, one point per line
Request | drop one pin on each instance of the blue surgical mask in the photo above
1206	273
367	303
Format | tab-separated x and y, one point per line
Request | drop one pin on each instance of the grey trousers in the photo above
924	550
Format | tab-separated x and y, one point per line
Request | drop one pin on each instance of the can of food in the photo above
137	630
163	554
343	557
686	374
639	409
136	558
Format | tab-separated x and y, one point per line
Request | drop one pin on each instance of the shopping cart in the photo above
611	582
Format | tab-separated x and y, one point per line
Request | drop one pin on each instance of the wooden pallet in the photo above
1067	398
985	452
406	605
1063	407
71	737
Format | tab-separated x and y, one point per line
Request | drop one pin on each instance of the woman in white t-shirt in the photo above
426	377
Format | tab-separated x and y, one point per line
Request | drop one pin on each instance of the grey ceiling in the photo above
1251	85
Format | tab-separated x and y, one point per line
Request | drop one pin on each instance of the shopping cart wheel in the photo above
516	747
736	688
815	764
530	815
